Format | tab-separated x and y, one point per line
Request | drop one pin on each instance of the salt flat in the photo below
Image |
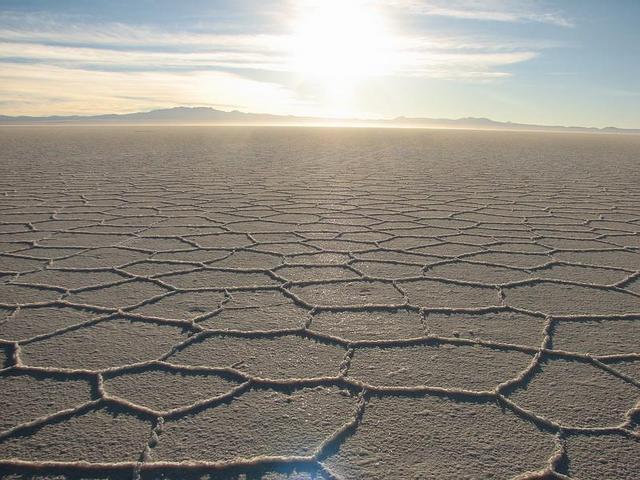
317	303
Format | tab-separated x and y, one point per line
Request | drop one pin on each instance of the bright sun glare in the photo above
339	43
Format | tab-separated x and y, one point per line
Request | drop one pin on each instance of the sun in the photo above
339	43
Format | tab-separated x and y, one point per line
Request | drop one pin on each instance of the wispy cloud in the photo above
127	59
70	31
69	62
468	66
487	10
65	90
117	47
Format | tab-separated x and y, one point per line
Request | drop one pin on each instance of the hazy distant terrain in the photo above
211	116
318	303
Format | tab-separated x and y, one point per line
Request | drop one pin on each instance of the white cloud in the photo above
412	55
70	65
470	66
120	35
138	59
46	90
487	10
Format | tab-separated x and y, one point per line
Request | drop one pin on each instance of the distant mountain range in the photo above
211	116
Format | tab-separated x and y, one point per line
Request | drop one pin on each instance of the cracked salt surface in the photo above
374	304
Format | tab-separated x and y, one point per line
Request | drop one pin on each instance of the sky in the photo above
563	62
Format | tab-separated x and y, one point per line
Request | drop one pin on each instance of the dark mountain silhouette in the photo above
212	116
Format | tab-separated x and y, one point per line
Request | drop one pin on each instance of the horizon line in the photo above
292	120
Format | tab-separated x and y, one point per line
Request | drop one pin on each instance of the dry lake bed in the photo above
229	303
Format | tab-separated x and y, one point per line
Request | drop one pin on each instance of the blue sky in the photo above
573	62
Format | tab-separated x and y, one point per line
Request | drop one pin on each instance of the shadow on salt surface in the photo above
412	436
575	394
5	355
600	456
259	423
293	471
62	392
89	434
